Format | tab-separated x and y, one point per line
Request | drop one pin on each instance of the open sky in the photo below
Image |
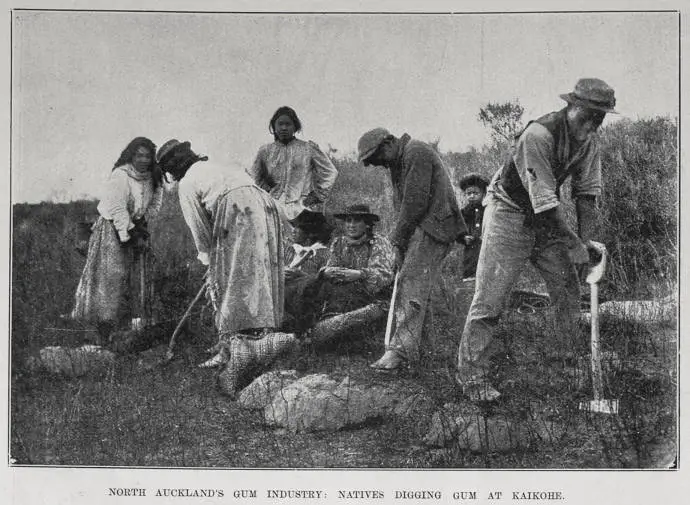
86	83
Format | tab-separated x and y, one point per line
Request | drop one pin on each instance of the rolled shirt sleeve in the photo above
532	156
324	172
197	219
113	205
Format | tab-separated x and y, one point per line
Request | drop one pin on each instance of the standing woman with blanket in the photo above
296	173
110	291
236	230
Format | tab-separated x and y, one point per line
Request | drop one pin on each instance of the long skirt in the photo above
246	269
116	282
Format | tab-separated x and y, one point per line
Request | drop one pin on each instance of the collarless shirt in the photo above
289	172
534	153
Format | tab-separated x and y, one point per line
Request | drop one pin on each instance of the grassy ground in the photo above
175	416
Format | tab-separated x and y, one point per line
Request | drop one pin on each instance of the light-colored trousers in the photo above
506	247
420	272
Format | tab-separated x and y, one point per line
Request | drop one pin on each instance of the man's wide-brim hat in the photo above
369	143
474	179
360	210
170	147
593	94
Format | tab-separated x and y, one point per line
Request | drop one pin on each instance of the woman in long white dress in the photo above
116	285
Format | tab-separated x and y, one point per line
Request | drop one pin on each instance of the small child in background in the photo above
474	187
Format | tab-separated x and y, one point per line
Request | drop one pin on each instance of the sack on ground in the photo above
249	357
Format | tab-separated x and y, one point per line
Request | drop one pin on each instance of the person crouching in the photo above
236	229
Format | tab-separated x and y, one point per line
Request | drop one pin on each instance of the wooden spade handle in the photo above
391	311
186	315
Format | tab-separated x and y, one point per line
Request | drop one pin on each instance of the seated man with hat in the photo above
524	221
360	268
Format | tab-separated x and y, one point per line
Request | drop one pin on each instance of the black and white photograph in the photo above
404	250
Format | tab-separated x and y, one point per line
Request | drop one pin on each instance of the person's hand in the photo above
310	200
594	250
140	229
139	236
339	275
328	273
290	274
140	233
348	275
399	258
125	243
579	254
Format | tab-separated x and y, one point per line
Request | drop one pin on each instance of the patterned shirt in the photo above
372	255
289	172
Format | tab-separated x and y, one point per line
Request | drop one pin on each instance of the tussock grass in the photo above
174	416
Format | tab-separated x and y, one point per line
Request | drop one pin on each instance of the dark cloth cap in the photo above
474	179
369	143
170	147
360	210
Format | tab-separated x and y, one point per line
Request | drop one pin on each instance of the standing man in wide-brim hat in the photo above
525	221
429	221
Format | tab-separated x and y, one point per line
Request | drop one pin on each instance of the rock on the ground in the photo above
663	310
445	423
73	362
262	389
319	403
151	359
